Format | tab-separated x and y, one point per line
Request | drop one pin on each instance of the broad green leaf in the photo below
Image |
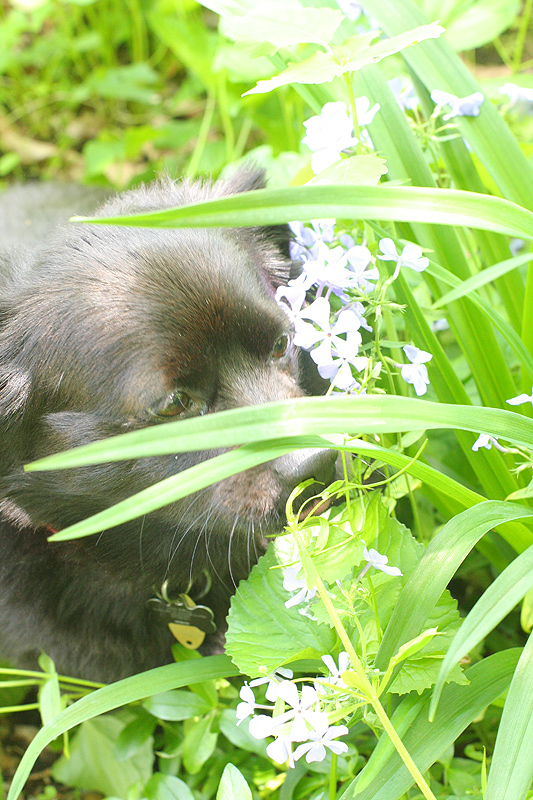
399	203
118	694
283	23
354	171
496	602
92	763
511	771
232	785
239	735
352	55
198	744
263	634
442	558
135	734
166	787
176	705
385	777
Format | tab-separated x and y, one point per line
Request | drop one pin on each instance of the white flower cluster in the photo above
334	338
296	717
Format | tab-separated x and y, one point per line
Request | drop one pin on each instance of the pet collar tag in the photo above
187	621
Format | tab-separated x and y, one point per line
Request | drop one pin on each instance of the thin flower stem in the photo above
374	605
333	777
348	79
358	668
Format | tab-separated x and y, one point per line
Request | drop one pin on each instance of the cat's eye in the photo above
281	347
175	404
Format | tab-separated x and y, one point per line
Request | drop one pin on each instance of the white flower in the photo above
291	583
405	96
351	8
273	679
411	256
518	94
378	561
365	114
487	441
321	738
520	399
416	372
336	672
459	106
302	715
328	336
328	134
280	750
248	706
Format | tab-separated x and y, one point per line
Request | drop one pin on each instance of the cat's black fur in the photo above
98	325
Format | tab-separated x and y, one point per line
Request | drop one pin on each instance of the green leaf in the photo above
383	202
263	634
385	777
118	694
232	785
92	763
478	24
198	744
482	278
166	787
442	558
511	770
134	735
49	692
496	602
293	418
352	55
283	23
238	735
176	705
355	171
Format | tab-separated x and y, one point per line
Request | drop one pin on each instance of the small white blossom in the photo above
323	737
280	750
488	442
459	106
328	134
410	257
520	399
365	114
416	372
328	336
378	561
273	679
336	672
518	95
291	583
248	705
405	95
351	8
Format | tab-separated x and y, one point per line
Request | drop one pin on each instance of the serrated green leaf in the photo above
352	55
263	634
283	23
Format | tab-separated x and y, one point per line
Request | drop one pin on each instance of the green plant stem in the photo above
203	133
14	709
364	684
522	33
333	777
